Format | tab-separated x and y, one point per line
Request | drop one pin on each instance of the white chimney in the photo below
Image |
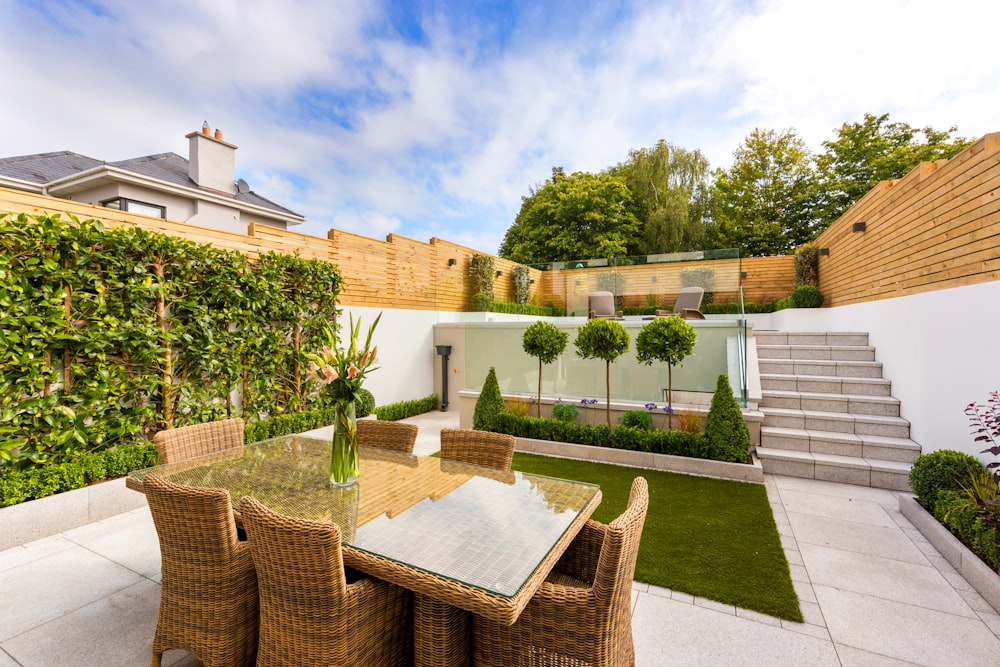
211	161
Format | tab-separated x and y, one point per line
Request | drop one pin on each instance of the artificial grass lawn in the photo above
713	538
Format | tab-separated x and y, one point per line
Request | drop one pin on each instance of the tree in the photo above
763	203
726	434
663	181
874	150
489	405
605	339
572	217
666	339
545	341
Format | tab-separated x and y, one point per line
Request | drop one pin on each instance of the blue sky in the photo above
433	119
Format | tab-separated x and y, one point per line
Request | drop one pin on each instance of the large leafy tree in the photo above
763	203
872	150
577	216
663	180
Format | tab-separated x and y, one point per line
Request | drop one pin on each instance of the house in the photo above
201	189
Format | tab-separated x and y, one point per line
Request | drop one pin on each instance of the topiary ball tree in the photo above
940	470
365	403
545	341
605	339
489	405
669	340
726	434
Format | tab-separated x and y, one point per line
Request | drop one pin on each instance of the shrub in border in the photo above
937	471
726	434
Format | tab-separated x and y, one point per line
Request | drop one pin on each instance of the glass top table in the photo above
477	538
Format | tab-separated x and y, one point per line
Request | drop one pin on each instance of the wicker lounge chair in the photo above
309	613
208	595
602	304
178	444
481	448
581	614
396	436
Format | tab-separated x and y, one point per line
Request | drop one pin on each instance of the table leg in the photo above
442	634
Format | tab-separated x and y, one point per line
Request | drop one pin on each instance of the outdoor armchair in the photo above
602	304
393	435
178	444
309	613
581	614
481	448
208	593
688	304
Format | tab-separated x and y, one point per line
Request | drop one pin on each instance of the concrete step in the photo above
823	352
837	422
825	384
821	367
901	450
846	469
810	338
886	406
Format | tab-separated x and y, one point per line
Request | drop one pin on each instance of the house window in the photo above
133	206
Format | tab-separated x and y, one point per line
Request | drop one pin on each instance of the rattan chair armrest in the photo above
557	601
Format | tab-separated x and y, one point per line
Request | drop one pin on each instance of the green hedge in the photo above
527	309
18	486
657	441
404	409
957	512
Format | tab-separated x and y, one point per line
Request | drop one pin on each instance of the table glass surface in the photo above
486	528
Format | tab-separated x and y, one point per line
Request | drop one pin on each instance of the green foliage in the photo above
638	419
940	470
365	403
873	150
545	341
18	486
614	282
657	441
481	303
665	339
489	405
580	215
481	272
565	412
404	409
528	309
604	339
807	265
726	434
703	277
522	284
807	296
763	203
960	514
663	181
106	335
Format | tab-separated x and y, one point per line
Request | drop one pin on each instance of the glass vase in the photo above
344	449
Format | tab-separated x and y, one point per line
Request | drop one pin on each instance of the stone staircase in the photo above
829	413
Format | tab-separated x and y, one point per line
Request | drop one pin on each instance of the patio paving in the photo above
873	592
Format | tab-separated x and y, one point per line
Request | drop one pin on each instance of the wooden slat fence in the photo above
937	227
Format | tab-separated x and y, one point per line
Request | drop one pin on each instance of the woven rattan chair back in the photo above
581	614
481	448
309	613
208	595
393	435
178	444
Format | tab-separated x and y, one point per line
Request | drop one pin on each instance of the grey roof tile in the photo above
46	167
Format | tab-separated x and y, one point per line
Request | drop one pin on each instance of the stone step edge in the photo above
817	396
820	378
820	362
835	416
871	440
813	346
878	465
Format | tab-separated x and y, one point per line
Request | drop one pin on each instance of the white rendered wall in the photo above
407	360
939	349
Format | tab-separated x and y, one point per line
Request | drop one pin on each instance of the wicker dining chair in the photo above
178	444
397	436
208	593
482	448
309	613
581	614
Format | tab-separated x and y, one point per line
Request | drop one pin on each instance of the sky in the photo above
433	119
